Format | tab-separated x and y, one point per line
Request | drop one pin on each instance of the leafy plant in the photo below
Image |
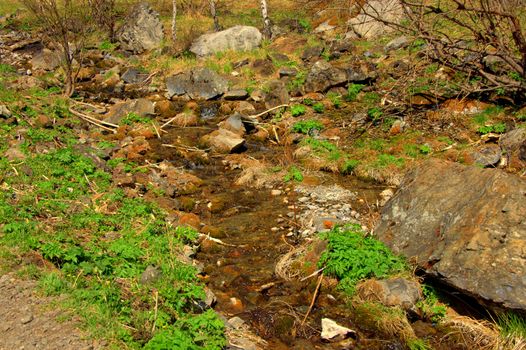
133	118
318	107
498	128
349	166
430	306
351	256
425	149
375	114
293	174
336	99
298	110
352	92
307	126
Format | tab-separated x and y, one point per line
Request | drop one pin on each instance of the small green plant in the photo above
307	126
107	46
308	101
335	98
511	325
293	174
430	306
298	81
352	92
133	118
425	149
417	344
298	110
498	128
318	107
305	24
349	165
6	68
375	114
352	256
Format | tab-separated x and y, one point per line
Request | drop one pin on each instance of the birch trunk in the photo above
266	20
213	12
174	21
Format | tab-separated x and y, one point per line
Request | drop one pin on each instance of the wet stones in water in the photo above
224	141
392	292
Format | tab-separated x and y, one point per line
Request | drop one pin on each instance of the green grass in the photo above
512	325
352	256
62	207
307	126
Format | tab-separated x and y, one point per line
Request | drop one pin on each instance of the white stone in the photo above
330	330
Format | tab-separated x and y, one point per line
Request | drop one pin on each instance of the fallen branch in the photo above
312	274
313	299
265	112
218	241
101	124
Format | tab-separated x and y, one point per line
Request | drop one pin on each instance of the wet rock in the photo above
487	156
46	60
5	112
238	94
323	76
150	275
365	26
277	95
142	30
141	107
234	123
187	118
235	322
465	227
199	83
134	76
397	43
392	292
331	331
238	38
224	141
311	53
191	220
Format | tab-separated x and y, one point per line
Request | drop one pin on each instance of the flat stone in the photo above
287	72
238	94
487	156
331	331
224	141
391	292
238	38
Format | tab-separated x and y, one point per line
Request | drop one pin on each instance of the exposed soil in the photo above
30	320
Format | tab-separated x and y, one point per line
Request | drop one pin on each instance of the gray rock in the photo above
392	292
366	26
210	298
142	107
465	226
238	38
142	30
312	53
287	72
46	60
323	76
224	141
277	95
199	83
397	43
234	123
235	322
5	112
238	94
510	141
487	156
150	275
134	76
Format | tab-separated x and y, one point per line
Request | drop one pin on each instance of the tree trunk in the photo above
213	12
267	31
174	21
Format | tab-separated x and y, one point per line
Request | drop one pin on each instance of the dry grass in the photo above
287	266
480	334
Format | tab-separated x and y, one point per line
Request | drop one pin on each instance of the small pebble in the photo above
26	319
276	192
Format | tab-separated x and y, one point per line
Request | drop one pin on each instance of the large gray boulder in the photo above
465	226
238	38
199	83
142	30
368	24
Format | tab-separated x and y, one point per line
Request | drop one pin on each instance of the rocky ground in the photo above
260	149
